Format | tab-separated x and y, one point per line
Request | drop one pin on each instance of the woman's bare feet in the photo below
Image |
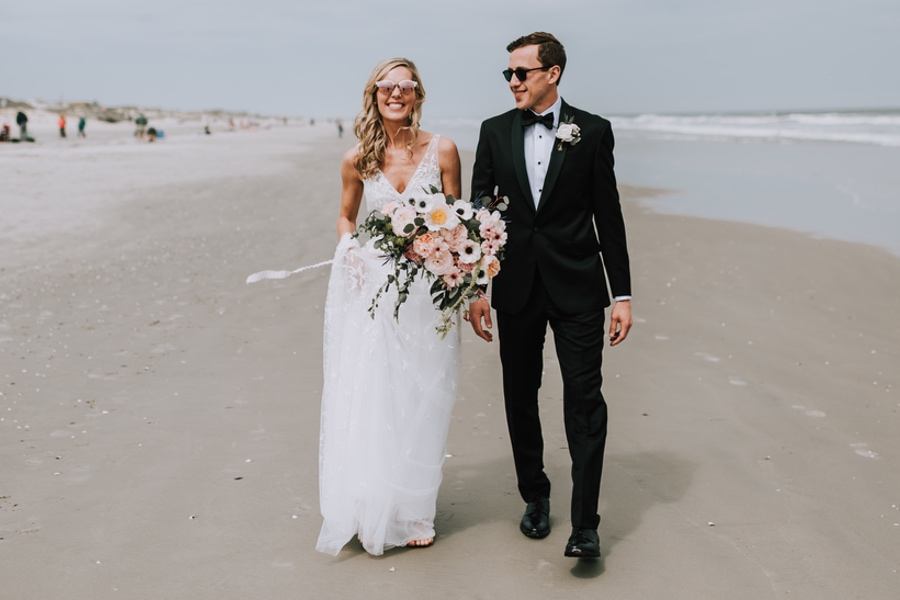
421	543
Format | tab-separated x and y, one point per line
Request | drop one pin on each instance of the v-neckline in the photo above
415	172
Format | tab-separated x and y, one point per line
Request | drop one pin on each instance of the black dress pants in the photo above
579	348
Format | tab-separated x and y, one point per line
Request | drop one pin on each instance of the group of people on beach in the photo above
61	123
142	131
24	136
22	122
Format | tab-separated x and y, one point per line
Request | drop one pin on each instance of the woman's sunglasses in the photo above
387	86
521	73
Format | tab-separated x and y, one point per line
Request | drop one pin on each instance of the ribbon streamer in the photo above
260	275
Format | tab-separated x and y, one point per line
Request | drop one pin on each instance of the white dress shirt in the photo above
539	143
538	149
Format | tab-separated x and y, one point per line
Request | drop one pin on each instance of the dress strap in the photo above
432	147
431	170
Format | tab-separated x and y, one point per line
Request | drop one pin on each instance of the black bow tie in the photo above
530	118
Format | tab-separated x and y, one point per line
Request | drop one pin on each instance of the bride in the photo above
389	385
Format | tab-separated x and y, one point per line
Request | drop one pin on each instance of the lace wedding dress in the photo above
388	393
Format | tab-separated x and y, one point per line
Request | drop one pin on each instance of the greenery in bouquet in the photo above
454	243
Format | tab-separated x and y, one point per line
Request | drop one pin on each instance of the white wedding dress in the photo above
388	393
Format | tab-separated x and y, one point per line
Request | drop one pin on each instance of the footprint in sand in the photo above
708	357
810	412
862	449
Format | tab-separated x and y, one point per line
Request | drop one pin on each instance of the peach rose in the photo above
439	263
424	245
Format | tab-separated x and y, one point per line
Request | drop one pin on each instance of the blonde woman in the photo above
389	385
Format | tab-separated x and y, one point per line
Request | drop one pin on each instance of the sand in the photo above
159	417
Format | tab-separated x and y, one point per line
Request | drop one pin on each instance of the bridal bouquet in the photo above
455	244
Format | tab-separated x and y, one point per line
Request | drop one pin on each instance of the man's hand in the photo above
619	322
478	310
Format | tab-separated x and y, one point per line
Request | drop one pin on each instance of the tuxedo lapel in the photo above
517	141
556	158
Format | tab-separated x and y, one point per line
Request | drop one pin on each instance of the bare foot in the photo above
421	543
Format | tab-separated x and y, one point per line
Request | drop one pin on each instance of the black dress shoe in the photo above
536	520
583	543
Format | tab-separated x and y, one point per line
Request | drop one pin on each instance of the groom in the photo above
555	164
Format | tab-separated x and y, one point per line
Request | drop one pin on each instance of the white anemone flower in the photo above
481	275
469	251
463	209
424	204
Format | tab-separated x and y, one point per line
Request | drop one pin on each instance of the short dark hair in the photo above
550	50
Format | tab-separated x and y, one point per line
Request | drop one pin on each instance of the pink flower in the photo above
466	267
412	255
489	247
424	245
439	263
453	278
440	245
490	229
488	218
455	237
402	217
491	266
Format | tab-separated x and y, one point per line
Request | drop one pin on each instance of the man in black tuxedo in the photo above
555	164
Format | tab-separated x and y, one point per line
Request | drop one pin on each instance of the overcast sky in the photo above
312	58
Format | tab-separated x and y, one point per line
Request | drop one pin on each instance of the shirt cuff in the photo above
620	298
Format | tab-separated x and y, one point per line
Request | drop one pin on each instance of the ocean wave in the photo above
881	129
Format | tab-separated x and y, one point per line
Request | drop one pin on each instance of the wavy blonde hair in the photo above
369	127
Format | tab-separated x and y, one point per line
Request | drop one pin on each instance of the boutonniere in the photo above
568	133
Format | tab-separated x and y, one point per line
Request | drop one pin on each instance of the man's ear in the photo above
555	74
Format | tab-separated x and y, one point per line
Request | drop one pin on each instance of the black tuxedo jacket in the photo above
558	238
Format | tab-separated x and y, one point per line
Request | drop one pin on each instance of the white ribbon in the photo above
259	276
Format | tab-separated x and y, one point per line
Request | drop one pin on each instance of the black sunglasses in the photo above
521	73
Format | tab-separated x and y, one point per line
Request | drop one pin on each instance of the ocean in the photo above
829	174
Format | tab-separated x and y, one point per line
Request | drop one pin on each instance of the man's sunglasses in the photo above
387	86
521	73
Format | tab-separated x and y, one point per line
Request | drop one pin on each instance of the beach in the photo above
159	417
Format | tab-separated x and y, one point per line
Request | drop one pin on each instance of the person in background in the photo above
22	122
82	122
140	126
62	125
4	133
151	134
340	128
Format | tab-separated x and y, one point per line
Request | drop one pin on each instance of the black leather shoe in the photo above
583	543
536	520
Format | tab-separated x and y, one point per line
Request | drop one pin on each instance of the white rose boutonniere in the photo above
568	133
